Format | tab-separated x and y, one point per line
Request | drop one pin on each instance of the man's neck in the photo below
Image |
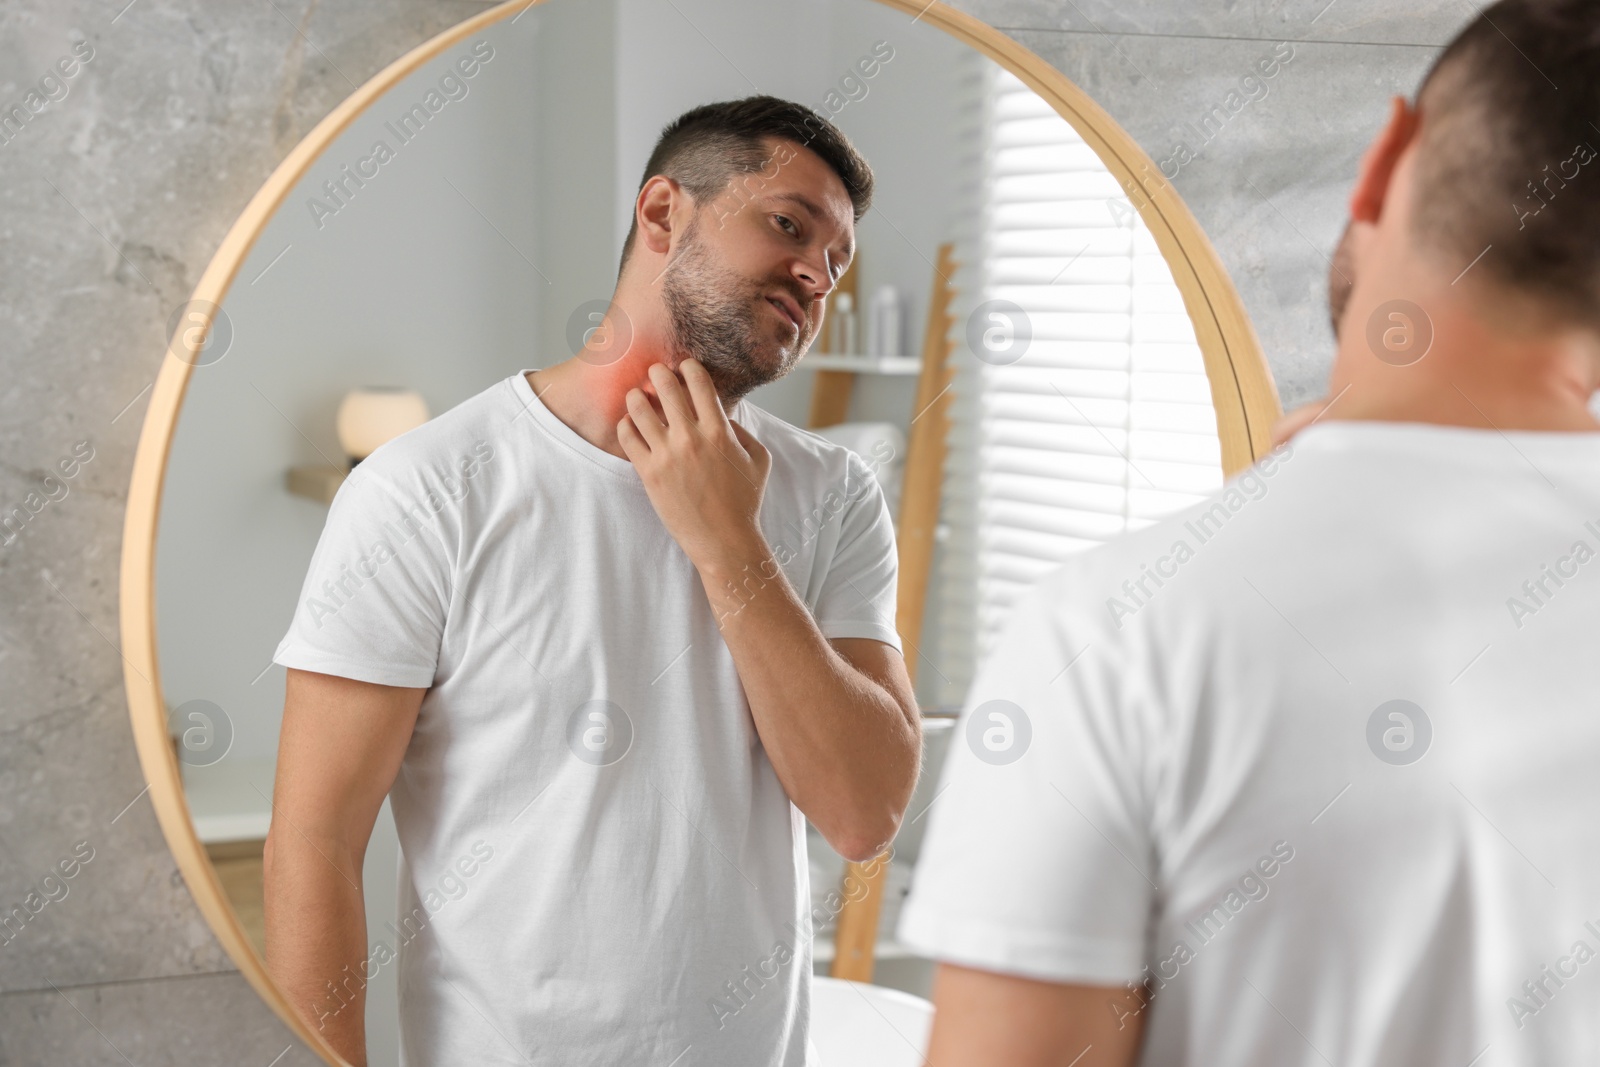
592	400
590	405
1478	371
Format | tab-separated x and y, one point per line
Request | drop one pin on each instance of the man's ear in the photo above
1377	166
653	211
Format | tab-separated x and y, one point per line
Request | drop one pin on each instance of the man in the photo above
1305	774
603	633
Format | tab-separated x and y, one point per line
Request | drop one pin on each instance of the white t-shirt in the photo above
1209	785
599	863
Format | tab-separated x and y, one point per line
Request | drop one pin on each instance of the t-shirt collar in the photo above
565	435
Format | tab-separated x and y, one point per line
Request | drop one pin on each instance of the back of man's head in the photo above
708	146
1508	158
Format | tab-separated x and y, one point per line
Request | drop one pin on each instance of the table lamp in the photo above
373	414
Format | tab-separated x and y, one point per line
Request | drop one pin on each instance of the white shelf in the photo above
822	950
863	364
229	800
217	829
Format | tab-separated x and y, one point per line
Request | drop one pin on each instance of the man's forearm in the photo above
840	743
316	926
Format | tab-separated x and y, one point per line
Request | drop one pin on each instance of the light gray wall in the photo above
114	198
577	91
420	279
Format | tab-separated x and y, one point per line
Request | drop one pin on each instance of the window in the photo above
1104	423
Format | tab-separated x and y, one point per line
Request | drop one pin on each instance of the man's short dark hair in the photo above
1508	156
704	148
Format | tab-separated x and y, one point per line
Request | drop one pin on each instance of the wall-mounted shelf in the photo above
822	951
229	801
863	364
315	483
856	936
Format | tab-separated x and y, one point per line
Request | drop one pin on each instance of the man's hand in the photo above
838	720
704	473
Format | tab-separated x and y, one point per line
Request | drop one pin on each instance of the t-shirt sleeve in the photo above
1038	859
858	592
376	594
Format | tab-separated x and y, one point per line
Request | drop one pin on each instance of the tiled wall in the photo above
113	198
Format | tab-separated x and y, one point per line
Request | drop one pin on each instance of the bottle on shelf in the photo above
884	323
842	327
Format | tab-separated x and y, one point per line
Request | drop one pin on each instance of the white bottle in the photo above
883	323
843	337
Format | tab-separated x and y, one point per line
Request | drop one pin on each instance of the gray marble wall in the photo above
114	196
1271	185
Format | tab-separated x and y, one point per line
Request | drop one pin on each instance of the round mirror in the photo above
1033	350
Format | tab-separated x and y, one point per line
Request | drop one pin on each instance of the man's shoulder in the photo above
1198	544
803	452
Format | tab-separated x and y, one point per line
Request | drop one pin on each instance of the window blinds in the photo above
1105	422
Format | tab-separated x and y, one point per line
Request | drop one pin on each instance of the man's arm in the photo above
838	719
839	722
983	1018
338	753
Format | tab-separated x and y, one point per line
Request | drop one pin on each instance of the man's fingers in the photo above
674	401
644	417
629	438
707	405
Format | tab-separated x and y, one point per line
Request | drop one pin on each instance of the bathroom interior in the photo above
388	286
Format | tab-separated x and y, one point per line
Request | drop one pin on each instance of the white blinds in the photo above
1105	422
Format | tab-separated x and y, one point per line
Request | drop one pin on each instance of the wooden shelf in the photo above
315	483
822	951
916	529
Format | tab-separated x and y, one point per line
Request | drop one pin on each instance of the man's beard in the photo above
1341	280
713	311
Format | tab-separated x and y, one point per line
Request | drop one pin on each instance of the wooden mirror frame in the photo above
1242	391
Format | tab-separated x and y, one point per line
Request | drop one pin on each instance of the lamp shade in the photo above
373	414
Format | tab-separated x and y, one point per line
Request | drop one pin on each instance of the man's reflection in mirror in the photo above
607	634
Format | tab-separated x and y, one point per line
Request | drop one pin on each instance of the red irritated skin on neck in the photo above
605	388
609	385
